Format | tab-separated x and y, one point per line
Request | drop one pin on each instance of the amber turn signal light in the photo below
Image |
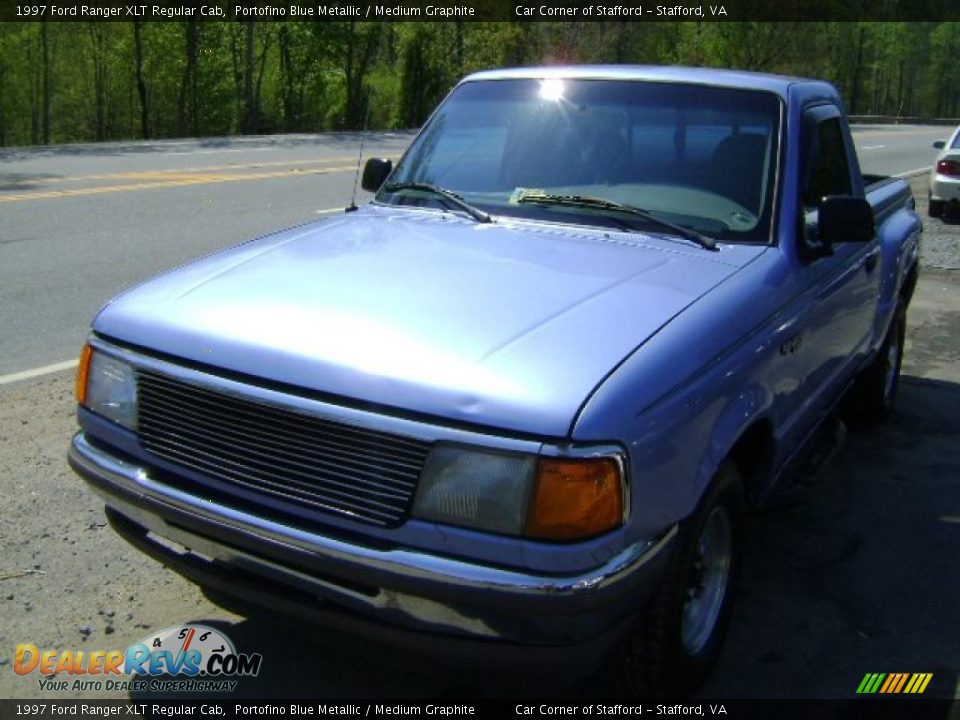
83	372
575	499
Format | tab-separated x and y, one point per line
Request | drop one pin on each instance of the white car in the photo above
945	176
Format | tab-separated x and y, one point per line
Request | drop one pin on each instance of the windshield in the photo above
701	157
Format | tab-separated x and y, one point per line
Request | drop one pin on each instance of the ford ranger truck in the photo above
518	404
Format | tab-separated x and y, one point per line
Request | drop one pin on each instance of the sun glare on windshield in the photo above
551	89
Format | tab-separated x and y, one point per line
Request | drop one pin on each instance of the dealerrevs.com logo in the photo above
185	658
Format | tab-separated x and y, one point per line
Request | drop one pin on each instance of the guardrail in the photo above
900	120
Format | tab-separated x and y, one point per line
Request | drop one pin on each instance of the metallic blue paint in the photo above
523	332
509	325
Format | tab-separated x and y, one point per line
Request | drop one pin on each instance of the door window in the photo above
828	172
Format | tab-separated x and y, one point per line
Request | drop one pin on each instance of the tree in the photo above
45	44
187	120
218	77
249	123
141	81
945	70
98	44
359	43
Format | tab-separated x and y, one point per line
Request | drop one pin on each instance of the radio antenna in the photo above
352	207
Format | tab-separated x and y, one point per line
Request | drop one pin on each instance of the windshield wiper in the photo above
454	199
539	198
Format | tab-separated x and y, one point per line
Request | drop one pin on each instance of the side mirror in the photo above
940	144
843	218
375	172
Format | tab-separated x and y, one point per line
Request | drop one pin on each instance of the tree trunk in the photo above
141	82
286	80
458	49
45	43
249	98
98	44
900	89
412	81
3	106
348	73
259	83
237	61
857	65
187	120
623	31
36	85
360	51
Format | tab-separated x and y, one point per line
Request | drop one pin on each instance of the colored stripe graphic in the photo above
894	683
891	680
922	682
870	683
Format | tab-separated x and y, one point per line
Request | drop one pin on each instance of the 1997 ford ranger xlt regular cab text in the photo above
520	401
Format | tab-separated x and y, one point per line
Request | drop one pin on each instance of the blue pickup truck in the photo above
519	404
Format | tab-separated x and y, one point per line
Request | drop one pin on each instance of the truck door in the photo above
841	287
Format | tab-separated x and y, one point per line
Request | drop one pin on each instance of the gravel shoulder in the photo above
861	578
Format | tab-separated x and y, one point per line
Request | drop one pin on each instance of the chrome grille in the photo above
363	474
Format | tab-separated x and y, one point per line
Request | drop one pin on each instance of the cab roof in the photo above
778	84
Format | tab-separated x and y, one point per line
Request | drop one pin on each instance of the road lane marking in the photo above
872	147
912	173
179	182
140	174
895	133
218	150
37	372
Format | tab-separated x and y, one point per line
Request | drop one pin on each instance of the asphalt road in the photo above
897	149
81	223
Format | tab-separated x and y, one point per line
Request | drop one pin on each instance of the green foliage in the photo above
77	82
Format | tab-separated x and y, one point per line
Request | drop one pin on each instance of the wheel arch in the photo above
753	453
743	434
910	284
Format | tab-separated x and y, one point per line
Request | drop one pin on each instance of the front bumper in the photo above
398	594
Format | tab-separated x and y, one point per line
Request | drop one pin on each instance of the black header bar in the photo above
482	10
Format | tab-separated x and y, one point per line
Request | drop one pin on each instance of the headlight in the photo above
477	489
522	495
107	386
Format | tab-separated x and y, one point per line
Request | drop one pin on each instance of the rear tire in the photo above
871	400
678	638
935	208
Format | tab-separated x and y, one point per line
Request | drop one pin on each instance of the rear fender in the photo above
899	240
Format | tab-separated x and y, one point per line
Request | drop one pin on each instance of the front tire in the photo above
678	638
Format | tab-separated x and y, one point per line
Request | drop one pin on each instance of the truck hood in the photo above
509	325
